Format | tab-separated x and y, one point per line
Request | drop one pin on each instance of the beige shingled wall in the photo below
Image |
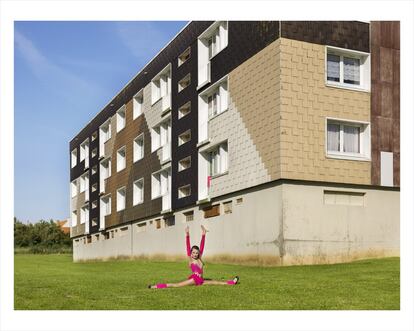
250	124
305	104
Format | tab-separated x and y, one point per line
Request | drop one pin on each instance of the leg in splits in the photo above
180	284
221	282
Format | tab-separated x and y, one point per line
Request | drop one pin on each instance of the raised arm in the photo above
203	239
187	240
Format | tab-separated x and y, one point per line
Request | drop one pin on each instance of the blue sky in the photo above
65	73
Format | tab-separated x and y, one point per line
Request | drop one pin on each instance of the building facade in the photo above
281	137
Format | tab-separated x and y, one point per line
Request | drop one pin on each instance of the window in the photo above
104	173
184	137
120	199
227	207
74	218
169	221
161	135
189	216
105	205
184	56
347	68
94	221
84	152
139	147
184	163
184	110
138	101
141	227
104	136
158	224
73	189
84	183
94	152
183	83
211	102
120	159
84	214
94	136
210	43
138	192
120	118
94	204
184	191
161	86
160	183
218	160
94	170
74	157
211	211
348	139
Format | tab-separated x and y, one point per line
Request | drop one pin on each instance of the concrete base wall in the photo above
281	223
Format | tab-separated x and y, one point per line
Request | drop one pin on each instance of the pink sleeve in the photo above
203	240
187	241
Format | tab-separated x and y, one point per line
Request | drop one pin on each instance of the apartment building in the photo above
281	137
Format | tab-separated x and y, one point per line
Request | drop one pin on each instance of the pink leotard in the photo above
197	272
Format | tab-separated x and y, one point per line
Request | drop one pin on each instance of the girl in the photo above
196	265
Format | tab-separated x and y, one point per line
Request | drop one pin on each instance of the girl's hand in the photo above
187	230
203	230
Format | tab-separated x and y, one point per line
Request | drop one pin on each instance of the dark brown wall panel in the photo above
345	34
385	96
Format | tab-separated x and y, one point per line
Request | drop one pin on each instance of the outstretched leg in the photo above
234	281
180	284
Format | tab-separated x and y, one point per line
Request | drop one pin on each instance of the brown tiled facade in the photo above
275	123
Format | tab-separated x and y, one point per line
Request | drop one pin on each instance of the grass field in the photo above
50	282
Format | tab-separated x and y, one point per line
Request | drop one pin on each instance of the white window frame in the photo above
204	117
183	58
218	31
104	174
161	85
74	157
180	167
365	68
121	118
120	160
187	105
73	189
135	192
84	152
74	218
160	183
180	192
218	154
104	135
136	149
182	84
182	135
106	208
364	140
161	134
120	199
84	216
84	182
138	104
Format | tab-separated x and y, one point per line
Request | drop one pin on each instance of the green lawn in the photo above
55	282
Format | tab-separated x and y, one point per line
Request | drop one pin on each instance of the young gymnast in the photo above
196	265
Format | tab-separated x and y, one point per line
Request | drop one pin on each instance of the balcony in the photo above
204	75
